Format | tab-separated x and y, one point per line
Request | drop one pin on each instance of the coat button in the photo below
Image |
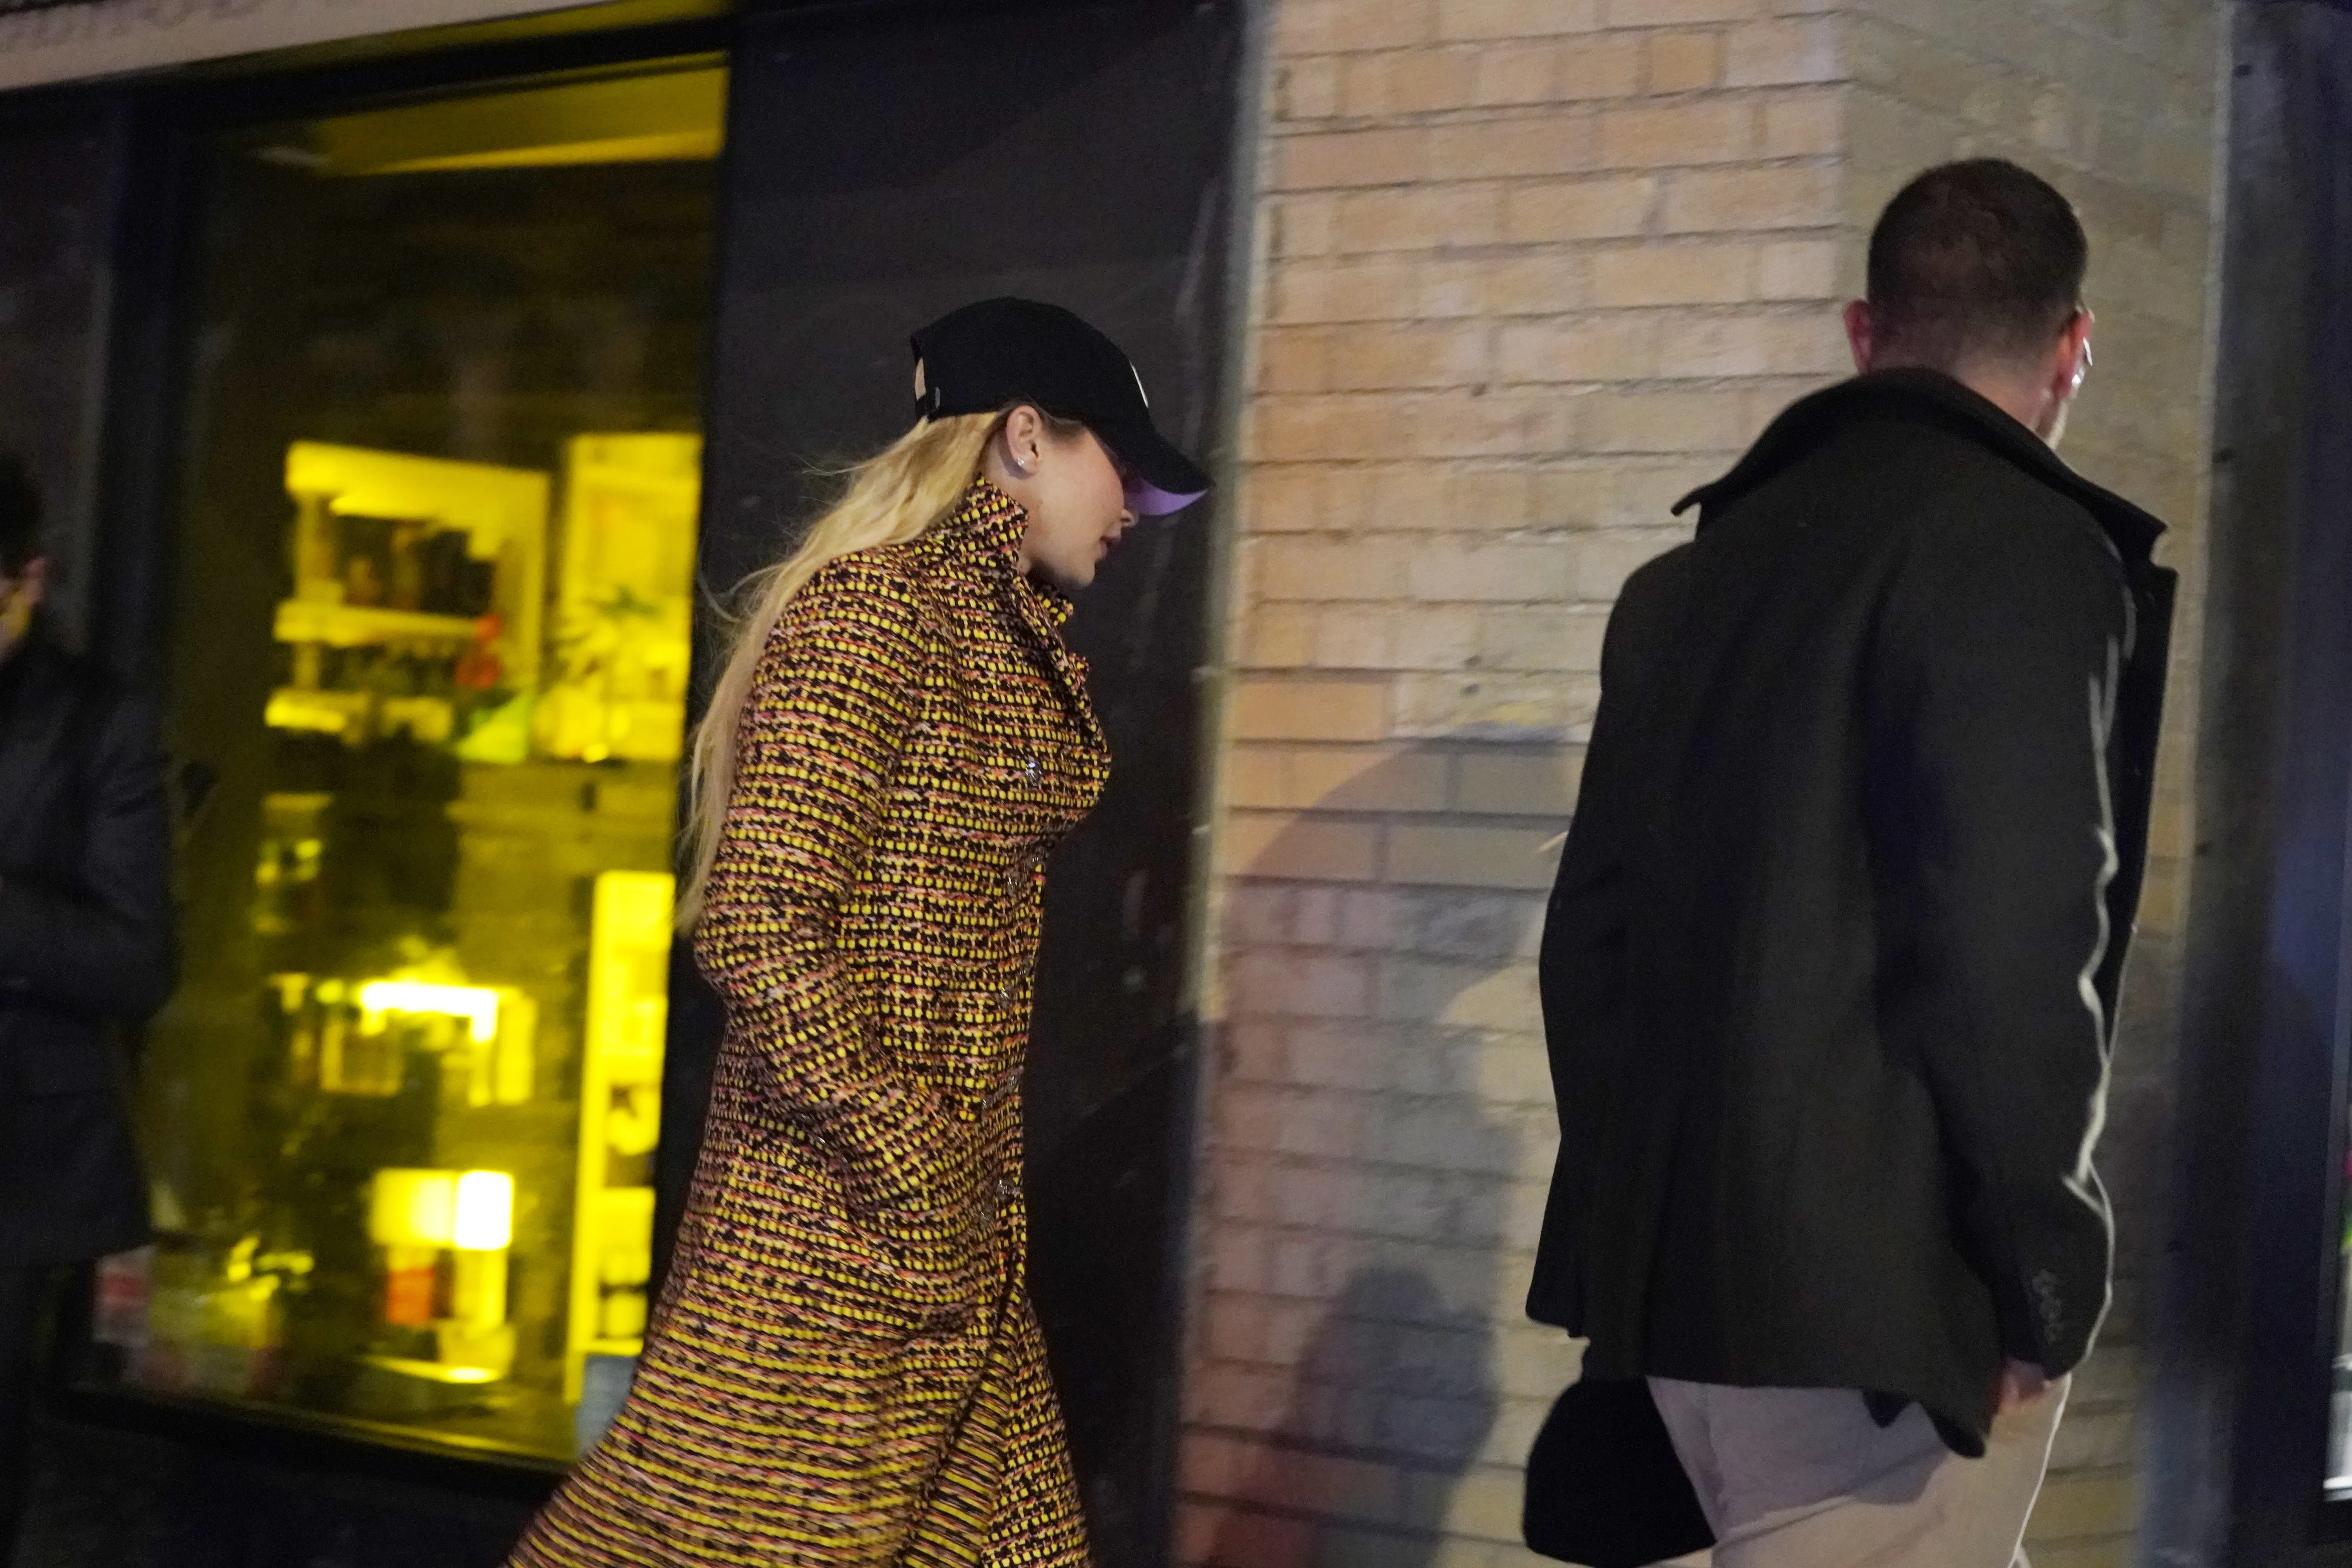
1007	1189
1030	772
1004	995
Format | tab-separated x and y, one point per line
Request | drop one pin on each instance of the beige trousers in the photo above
1803	1477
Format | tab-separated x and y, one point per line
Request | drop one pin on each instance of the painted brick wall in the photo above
1527	271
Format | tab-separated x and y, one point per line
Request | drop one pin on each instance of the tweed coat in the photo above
843	1368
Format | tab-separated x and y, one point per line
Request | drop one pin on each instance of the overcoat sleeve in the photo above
836	693
101	940
2006	644
1581	970
1581	975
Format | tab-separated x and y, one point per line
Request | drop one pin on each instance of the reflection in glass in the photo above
435	558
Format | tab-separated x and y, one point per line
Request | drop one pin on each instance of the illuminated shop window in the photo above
435	566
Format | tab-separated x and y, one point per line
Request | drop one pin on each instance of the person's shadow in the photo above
1364	1389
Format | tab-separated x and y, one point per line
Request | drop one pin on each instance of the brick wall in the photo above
1527	270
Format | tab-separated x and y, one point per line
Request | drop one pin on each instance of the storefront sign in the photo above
74	42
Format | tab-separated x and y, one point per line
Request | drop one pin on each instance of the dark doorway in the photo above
880	174
2252	1400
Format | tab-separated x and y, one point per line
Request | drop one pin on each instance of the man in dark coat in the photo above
86	945
1830	970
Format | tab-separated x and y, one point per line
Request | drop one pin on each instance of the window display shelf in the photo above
359	625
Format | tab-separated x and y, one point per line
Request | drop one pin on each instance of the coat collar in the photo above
987	524
1927	398
990	523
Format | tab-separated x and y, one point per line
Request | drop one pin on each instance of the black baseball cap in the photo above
980	358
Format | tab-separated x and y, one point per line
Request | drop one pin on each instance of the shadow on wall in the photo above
1383	1088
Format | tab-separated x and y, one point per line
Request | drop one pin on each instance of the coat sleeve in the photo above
1582	963
828	719
102	941
2005	654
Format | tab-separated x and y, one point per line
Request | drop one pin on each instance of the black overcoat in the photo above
1829	969
86	946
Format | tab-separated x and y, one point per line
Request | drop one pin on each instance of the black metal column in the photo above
2248	1311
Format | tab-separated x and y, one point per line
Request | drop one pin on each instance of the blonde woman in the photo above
844	1369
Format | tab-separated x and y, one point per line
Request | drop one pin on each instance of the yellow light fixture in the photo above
470	1210
408	1208
434	1371
698	146
652	117
620	1113
477	1005
484	1219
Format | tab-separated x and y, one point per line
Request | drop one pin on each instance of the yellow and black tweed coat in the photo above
843	1368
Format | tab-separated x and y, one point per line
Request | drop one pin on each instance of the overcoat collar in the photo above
1928	397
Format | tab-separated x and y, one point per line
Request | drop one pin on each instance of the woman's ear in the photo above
1024	440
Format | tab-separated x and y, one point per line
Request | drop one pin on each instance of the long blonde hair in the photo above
901	492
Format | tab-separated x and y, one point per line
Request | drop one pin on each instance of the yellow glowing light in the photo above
413	1209
655	147
476	1004
434	1371
485	1211
655	116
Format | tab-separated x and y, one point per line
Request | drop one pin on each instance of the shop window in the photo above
434	563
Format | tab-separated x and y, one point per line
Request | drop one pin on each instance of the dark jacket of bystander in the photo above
85	949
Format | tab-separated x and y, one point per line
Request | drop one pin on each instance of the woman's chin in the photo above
1070	578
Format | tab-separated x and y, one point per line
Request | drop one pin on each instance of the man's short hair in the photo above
1976	260
20	515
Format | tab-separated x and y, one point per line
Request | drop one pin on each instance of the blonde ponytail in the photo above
900	493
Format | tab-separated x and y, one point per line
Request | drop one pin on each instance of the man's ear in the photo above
2069	362
1859	334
